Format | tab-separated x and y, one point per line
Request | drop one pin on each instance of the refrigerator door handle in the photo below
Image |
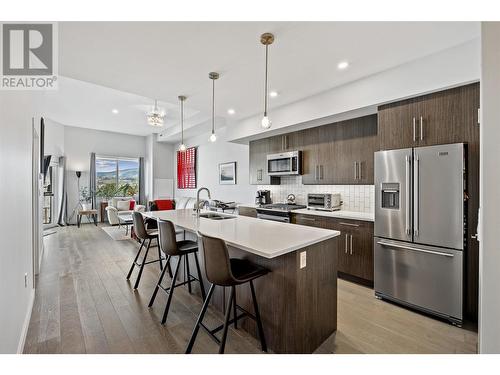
407	193
416	198
388	244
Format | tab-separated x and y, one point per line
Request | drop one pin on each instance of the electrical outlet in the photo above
25	280
303	259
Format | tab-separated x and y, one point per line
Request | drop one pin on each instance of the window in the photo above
117	177
48	197
186	169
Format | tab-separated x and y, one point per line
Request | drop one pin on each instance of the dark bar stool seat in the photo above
181	249
144	235
226	272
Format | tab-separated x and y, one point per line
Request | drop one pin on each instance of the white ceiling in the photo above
139	61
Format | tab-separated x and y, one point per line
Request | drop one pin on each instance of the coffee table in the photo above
125	219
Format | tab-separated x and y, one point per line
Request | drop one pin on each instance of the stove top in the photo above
283	206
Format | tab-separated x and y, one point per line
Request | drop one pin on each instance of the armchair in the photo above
121	205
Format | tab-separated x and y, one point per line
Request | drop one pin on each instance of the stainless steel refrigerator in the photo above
419	228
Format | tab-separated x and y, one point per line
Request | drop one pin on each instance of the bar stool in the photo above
224	271
144	235
181	249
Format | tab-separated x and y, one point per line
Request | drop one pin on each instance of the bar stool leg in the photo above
159	257
186	259
196	328
235	313
202	287
135	260
257	317
226	321
142	266
171	291
153	297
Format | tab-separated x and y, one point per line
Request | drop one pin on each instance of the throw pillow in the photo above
132	205
122	205
164	204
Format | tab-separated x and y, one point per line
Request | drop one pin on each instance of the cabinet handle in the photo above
321	172
351	244
360	176
282	143
355	170
349	224
346	243
421	128
286	142
259	175
307	218
414	129
316	172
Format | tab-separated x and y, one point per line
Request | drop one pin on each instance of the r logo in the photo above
27	49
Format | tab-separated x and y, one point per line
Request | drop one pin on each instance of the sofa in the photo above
121	205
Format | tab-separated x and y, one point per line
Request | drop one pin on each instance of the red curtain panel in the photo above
186	169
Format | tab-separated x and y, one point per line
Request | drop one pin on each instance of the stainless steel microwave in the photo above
286	163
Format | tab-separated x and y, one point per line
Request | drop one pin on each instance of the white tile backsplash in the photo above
359	198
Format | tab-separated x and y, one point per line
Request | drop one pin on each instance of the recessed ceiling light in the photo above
273	94
231	111
115	111
342	65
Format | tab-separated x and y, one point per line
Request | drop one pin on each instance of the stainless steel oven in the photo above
286	163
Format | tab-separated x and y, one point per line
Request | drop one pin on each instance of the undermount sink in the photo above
214	216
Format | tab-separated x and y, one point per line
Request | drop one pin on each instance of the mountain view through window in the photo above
117	177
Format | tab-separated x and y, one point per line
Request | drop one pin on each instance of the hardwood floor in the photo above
83	304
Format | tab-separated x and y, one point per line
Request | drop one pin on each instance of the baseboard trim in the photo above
24	332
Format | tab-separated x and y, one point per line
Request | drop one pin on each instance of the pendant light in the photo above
266	39
156	117
213	76
182	147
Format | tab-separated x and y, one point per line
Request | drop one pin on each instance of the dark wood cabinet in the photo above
339	153
433	119
355	244
355	252
247	211
259	150
284	142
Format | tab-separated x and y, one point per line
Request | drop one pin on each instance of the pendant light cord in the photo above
213	106
182	121
265	88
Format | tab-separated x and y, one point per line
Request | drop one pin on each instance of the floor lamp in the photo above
79	204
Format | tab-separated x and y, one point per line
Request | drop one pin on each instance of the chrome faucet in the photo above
197	207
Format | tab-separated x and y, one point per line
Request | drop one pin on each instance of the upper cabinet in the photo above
437	118
339	153
259	150
284	142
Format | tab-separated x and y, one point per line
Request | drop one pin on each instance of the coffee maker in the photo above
263	197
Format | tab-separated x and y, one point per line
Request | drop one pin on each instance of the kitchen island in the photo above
298	298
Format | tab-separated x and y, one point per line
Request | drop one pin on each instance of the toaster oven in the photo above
325	202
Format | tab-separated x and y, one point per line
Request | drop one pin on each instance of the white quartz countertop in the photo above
341	214
269	239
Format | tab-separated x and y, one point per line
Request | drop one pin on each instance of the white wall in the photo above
16	111
451	67
489	253
80	142
54	139
210	155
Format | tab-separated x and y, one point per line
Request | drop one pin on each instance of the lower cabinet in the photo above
247	211
355	245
